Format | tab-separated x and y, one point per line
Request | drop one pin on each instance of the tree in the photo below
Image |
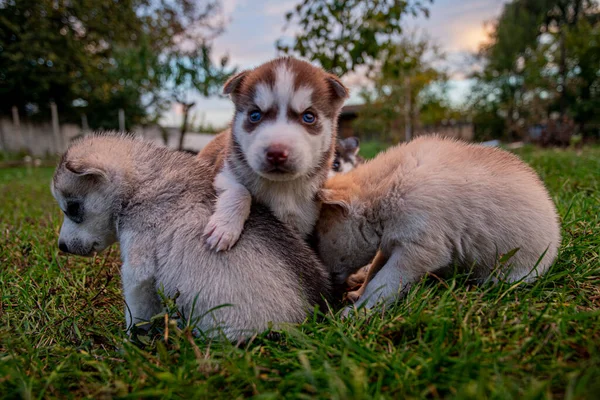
408	90
57	51
94	57
192	72
342	35
541	58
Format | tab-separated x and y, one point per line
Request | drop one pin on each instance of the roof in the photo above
351	109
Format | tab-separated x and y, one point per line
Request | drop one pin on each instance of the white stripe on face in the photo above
284	84
264	97
301	99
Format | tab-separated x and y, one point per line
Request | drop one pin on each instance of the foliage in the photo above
62	320
194	72
542	58
407	85
342	35
50	52
93	58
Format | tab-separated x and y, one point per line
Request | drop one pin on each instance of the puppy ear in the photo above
351	144
233	82
340	91
331	198
85	168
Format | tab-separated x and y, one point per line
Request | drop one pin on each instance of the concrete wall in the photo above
38	139
35	138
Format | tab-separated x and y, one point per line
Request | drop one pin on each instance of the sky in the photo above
457	26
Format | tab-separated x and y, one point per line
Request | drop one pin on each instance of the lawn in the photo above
61	322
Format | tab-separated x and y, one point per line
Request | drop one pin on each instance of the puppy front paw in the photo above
358	278
354	295
221	234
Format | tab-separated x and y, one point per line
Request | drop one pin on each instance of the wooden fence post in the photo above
17	126
56	128
121	120
84	124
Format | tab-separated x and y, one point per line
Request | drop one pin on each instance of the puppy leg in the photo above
378	263
407	264
231	212
142	300
358	278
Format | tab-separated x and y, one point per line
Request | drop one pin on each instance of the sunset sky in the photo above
254	26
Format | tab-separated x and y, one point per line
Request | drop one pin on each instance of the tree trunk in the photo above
562	100
186	113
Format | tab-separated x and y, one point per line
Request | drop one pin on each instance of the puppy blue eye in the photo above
308	118
255	116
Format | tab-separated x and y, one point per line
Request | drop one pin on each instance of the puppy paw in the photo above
354	295
353	311
221	235
347	311
358	278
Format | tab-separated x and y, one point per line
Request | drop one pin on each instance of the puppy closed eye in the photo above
74	211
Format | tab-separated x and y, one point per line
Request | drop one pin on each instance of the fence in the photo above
46	138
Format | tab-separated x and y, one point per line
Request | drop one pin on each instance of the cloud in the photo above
459	26
279	8
254	26
229	6
250	38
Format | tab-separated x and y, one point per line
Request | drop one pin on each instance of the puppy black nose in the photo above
63	247
277	155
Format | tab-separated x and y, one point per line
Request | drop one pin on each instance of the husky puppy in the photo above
345	159
156	202
424	205
346	156
281	146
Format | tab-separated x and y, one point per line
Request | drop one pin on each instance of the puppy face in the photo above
346	156
86	197
346	241
285	117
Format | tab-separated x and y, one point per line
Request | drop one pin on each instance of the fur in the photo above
215	151
282	92
430	203
156	203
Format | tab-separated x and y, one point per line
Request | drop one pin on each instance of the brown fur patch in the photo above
215	152
326	87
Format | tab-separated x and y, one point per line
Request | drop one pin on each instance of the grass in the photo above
61	322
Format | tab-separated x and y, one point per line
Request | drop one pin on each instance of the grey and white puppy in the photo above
346	156
156	202
423	205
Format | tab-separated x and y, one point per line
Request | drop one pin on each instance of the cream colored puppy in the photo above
424	205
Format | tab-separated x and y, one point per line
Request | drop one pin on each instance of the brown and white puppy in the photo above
281	146
346	153
424	205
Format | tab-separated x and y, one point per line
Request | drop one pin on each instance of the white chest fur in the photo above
291	202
